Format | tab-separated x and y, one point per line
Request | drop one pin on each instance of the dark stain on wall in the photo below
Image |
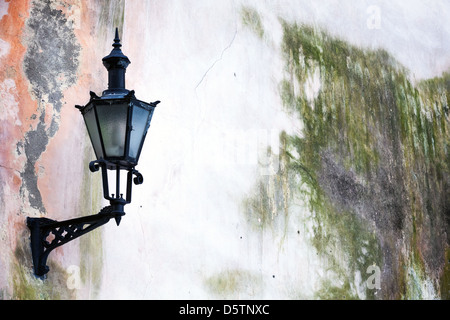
50	64
376	146
372	164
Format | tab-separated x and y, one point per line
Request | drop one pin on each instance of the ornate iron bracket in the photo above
47	234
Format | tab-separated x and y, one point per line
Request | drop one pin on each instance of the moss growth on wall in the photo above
91	244
111	16
445	278
268	207
329	291
373	147
233	284
28	287
371	163
251	19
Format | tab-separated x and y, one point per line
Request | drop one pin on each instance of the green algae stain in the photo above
111	15
268	206
330	291
335	116
371	164
91	244
28	287
233	283
251	19
445	278
369	133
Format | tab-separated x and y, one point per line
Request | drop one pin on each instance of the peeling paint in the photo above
50	63
41	55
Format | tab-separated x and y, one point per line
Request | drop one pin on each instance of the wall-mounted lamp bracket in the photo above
117	113
47	234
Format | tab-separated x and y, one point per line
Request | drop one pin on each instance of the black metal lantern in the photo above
117	124
117	127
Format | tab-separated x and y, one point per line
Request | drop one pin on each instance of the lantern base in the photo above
117	207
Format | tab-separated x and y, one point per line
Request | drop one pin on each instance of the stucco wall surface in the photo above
301	149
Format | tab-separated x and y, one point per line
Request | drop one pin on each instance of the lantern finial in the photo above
116	43
116	63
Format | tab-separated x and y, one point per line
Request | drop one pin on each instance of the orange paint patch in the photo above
11	31
16	123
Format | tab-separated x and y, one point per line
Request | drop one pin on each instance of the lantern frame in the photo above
130	156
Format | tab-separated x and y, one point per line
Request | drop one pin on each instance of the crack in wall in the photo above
219	59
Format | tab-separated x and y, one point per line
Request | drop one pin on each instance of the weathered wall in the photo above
44	146
299	148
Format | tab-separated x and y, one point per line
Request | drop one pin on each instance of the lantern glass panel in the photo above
113	127
140	122
92	127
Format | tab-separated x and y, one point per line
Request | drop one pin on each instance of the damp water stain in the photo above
234	283
26	286
251	19
371	163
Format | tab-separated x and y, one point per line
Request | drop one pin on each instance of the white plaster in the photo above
3	8
4	48
9	107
